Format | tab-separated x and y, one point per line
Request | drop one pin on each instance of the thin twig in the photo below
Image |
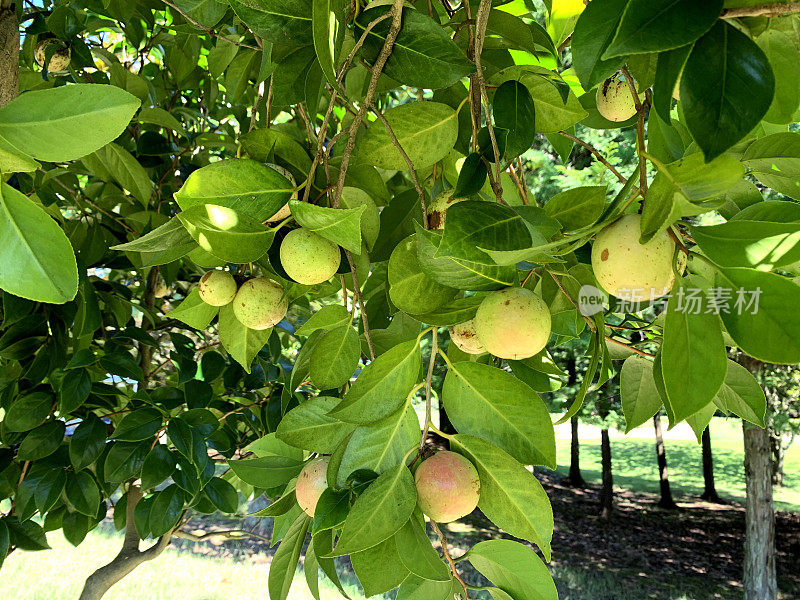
359	298
377	69
772	9
428	379
640	108
450	561
208	30
410	165
596	154
481	21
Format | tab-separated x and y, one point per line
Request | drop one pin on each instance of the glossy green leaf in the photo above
515	568
226	233
638	393
593	33
39	261
341	226
335	357
241	342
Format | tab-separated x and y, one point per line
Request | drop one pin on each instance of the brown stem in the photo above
410	165
208	30
149	302
772	9
359	298
640	108
377	69
449	558
481	21
596	153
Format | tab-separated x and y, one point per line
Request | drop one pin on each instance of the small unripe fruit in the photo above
312	481
513	323
217	288
283	211
437	209
448	487
259	303
630	270
465	337
59	62
309	258
614	100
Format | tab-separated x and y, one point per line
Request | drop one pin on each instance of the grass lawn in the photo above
634	461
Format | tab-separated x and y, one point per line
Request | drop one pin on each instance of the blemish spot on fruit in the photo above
604	255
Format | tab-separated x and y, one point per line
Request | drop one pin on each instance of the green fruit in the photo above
309	258
614	100
217	288
513	323
260	303
312	481
448	487
464	336
437	209
284	211
627	269
59	62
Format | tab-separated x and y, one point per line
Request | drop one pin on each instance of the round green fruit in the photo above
464	336
513	323
217	288
448	487
629	270
59	62
437	209
312	481
259	303
284	211
614	100
309	258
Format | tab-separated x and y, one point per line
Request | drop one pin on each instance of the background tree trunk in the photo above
710	489
760	580
444	421
9	52
607	492
666	500
575	477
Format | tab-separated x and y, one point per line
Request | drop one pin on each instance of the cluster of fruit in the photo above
448	486
260	302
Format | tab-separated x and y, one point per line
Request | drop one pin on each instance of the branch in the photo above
639	131
449	558
410	165
360	299
208	30
596	153
129	557
228	534
772	9
481	21
431	363
377	69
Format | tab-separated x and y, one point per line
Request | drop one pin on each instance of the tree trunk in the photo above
760	580
575	477
129	557
9	52
607	492
710	491
666	500
779	447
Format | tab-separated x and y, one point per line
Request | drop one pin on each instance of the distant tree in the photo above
666	500
709	488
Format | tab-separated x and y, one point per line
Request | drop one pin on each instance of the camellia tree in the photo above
228	227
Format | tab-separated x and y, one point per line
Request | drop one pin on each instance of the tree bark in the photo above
607	491
710	489
129	557
760	580
9	52
575	477
666	500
